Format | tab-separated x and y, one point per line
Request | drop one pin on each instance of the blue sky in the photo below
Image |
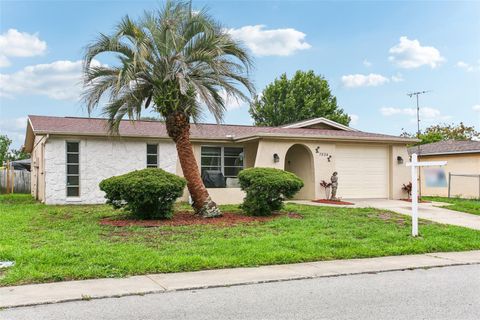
372	54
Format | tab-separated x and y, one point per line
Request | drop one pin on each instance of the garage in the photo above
362	171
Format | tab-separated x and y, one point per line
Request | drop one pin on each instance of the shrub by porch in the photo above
147	194
266	189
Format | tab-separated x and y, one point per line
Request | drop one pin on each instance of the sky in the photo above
371	53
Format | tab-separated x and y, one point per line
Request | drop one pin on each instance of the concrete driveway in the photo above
428	211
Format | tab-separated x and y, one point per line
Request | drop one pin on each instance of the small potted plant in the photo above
326	185
408	189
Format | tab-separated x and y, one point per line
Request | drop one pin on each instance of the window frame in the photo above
157	154
222	158
70	174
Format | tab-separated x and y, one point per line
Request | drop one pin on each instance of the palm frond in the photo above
181	60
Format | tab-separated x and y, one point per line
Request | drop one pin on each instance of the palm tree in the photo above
177	62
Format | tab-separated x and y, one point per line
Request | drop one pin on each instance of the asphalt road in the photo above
439	293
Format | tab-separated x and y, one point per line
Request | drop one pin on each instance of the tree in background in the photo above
18	154
178	62
302	97
5	143
10	154
442	132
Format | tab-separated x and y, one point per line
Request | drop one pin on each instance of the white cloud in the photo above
362	80
398	78
476	108
410	54
14	128
353	119
19	44
272	42
231	103
426	114
59	80
4	62
469	67
367	63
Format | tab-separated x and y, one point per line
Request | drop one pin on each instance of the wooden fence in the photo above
14	181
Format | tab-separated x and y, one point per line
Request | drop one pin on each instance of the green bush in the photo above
266	188
147	194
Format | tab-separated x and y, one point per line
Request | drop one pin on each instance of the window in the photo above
228	160
73	169
211	158
232	161
152	155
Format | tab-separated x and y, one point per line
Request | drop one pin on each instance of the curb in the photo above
232	277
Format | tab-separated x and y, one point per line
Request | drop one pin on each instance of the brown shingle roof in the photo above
156	129
448	147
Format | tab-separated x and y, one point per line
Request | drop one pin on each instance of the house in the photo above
70	156
462	170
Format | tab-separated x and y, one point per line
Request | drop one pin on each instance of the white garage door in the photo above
362	171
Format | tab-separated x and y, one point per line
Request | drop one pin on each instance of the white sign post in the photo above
415	164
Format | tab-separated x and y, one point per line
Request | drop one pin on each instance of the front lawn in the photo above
53	243
459	204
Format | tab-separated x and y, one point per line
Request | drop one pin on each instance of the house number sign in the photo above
321	154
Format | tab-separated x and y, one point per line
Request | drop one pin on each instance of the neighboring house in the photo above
70	156
463	163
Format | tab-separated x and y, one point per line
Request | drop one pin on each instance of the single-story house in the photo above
463	168
71	155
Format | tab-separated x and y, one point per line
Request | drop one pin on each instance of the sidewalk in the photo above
428	211
138	285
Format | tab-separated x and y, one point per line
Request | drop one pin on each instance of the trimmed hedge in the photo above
266	189
147	194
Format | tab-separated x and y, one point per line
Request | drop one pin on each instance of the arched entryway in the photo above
299	160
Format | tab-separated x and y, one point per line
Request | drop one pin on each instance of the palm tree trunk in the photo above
178	127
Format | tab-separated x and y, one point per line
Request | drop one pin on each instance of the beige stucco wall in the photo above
299	160
260	154
456	164
399	173
323	169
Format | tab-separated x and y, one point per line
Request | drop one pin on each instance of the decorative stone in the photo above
6	264
210	209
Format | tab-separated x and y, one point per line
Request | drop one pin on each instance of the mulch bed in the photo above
337	202
188	218
419	201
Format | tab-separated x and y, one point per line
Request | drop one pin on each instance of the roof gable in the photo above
319	123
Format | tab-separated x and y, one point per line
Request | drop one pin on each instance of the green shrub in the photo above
147	194
266	188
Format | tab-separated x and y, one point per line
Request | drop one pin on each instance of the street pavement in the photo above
44	293
438	293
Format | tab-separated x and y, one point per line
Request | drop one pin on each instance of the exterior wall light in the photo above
276	158
399	160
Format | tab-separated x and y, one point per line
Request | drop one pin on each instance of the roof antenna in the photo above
416	94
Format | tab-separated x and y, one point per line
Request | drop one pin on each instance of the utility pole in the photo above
416	94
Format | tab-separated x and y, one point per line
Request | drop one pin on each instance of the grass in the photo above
459	204
54	243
